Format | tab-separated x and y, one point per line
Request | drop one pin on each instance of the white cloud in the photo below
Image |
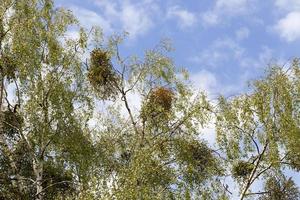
289	26
204	81
208	133
72	34
184	17
210	18
90	18
208	82
260	62
242	33
222	54
233	6
224	9
134	101
109	8
134	18
265	55
289	5
220	51
226	52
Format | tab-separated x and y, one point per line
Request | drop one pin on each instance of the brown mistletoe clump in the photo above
162	97
159	103
101	75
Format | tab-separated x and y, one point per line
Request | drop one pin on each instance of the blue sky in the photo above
223	43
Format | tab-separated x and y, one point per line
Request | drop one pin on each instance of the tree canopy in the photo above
69	130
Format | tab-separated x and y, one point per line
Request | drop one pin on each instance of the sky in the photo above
223	43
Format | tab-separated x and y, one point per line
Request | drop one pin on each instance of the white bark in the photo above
38	171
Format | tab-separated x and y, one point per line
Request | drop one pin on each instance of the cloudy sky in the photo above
223	43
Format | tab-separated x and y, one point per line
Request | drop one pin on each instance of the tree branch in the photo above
251	177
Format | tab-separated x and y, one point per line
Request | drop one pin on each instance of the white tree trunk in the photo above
38	171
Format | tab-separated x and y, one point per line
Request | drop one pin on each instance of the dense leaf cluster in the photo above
102	76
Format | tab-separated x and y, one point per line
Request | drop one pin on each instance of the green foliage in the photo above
262	127
8	67
242	169
145	153
56	173
195	160
12	122
280	189
54	144
43	68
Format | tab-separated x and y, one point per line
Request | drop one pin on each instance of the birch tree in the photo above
152	151
43	102
260	132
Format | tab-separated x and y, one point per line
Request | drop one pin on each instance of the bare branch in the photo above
251	178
